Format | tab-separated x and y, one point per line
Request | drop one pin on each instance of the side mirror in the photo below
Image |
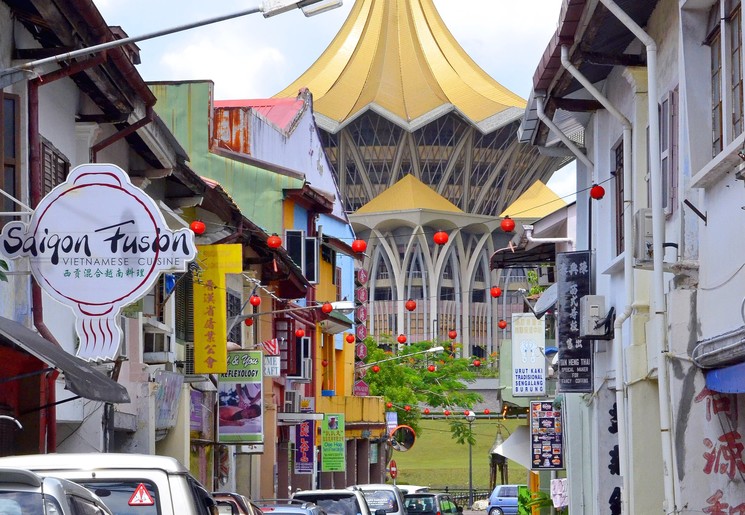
223	508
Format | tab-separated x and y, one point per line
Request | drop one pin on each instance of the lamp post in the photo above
470	418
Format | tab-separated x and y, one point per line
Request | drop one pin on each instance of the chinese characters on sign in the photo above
305	450
546	441
575	355
333	444
528	361
240	399
360	312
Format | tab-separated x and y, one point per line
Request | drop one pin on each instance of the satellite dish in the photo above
402	438
546	301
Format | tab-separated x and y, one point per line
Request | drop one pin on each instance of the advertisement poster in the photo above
304	440
240	399
528	361
546	441
333	444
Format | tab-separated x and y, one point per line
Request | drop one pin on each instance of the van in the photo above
129	484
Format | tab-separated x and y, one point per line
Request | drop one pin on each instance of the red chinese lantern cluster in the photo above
496	291
440	237
274	241
350	338
410	305
502	324
359	246
198	227
327	307
249	322
375	368
299	333
452	334
476	362
597	192
508	224
255	300
401	338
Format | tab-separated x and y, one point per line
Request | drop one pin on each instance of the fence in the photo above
460	495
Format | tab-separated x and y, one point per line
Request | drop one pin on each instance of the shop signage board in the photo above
240	399
333	443
546	436
361	276
361	350
360	295
528	361
361	332
305	450
361	389
97	243
360	314
575	355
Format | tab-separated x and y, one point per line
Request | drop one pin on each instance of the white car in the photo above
412	489
380	496
338	501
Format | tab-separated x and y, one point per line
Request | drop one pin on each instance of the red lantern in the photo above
410	305
255	300
452	334
274	241
389	405
350	338
508	224
476	363
502	324
407	407
486	411
496	291
597	191
249	322
426	411
359	246
466	413
431	368
440	237
327	307
324	363
299	333
446	412
401	338
375	368
198	227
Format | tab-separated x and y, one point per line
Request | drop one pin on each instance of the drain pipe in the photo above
628	276
658	228
528	230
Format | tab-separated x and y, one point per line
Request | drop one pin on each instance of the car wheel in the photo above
496	511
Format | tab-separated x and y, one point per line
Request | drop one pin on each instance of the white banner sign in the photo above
528	361
271	366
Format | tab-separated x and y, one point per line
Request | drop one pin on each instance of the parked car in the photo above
238	504
384	497
431	503
503	500
289	507
127	483
338	501
23	492
412	489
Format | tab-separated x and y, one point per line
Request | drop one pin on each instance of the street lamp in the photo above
9	76
470	417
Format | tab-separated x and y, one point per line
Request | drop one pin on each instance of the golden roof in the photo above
397	58
538	201
407	194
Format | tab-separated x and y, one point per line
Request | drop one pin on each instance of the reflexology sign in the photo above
97	243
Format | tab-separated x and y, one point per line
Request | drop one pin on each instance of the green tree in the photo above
437	380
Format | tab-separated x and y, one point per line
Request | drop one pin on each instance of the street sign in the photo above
393	469
361	332
361	295
361	389
360	315
361	350
360	276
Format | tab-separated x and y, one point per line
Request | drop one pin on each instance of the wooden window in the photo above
55	166
337	281
185	307
716	94
618	191
10	152
669	151
304	253
284	331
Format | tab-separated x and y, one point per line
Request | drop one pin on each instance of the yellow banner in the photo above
210	306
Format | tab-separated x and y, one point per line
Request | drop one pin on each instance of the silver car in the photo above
24	493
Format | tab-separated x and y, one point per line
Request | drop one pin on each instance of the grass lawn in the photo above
437	460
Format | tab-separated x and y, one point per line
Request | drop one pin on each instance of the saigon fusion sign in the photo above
97	243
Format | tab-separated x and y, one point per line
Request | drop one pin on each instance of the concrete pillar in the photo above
351	472
363	461
283	481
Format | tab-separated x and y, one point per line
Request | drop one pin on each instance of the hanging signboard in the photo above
528	361
97	243
305	450
241	399
333	443
361	389
575	355
546	441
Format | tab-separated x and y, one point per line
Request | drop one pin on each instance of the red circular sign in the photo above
393	469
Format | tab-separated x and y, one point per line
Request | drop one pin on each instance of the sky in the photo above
254	57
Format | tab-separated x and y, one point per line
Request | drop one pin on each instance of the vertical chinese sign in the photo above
240	399
360	319
575	355
304	444
210	306
528	361
333	444
546	442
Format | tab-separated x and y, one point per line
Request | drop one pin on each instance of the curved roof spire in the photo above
398	58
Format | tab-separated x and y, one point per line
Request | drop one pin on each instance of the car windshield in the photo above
420	504
126	497
334	504
381	500
27	503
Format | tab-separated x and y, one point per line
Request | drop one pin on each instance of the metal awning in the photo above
80	378
729	379
517	447
336	323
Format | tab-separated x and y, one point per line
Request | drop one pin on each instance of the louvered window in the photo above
284	331
185	307
55	166
234	309
10	153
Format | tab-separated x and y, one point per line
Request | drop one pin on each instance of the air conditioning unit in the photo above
643	238
292	402
546	275
189	359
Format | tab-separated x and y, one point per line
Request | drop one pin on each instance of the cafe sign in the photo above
97	243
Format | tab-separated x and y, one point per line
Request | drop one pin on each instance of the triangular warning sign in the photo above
141	497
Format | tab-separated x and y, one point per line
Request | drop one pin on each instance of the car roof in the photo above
324	492
94	460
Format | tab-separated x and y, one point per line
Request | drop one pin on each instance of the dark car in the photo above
431	503
289	507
